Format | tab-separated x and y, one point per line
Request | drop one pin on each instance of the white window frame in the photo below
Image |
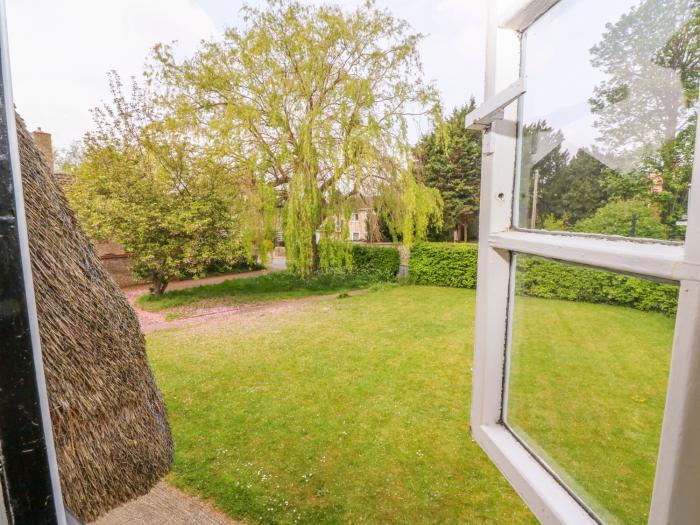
675	496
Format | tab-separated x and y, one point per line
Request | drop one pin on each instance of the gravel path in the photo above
165	505
229	313
154	321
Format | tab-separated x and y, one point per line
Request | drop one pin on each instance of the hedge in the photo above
378	261
454	265
443	264
539	277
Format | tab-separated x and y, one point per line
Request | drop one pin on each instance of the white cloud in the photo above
61	51
458	8
454	51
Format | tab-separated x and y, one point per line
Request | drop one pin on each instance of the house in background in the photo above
358	225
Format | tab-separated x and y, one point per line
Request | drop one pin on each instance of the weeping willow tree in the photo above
315	101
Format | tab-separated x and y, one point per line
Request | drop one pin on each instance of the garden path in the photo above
152	321
165	505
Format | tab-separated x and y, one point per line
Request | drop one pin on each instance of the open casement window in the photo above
586	378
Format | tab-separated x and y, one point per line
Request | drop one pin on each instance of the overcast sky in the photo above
61	50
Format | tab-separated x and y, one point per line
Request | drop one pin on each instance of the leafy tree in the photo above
627	186
646	108
147	181
671	167
66	158
449	159
314	102
551	223
629	218
662	179
682	53
651	59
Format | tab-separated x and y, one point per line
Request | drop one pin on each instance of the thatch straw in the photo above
110	425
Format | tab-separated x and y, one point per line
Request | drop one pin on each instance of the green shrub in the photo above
443	264
616	218
553	280
454	265
378	261
221	267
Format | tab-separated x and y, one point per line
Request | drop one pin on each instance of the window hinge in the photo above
493	109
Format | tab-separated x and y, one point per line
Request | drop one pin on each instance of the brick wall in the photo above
117	263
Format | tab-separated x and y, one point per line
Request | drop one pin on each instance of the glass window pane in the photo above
589	360
608	121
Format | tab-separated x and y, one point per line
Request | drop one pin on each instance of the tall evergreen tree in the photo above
449	159
575	191
542	158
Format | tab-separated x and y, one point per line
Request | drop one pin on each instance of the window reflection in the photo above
608	121
589	361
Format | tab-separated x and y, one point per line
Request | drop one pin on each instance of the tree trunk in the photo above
159	284
316	259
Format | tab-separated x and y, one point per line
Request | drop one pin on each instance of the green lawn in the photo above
587	387
356	410
270	287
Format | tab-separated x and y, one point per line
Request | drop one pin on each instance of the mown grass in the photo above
587	389
274	286
357	410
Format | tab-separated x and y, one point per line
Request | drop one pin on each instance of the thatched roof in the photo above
110	425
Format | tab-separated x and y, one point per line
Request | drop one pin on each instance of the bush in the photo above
220	267
454	265
443	264
616	218
553	280
377	261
